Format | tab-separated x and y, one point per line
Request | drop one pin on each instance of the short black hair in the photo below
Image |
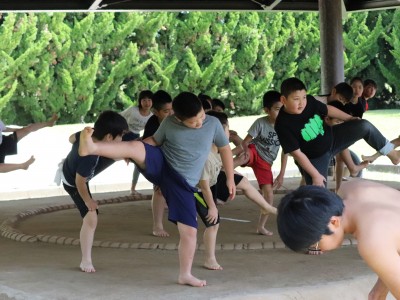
304	215
291	85
345	90
205	103
160	98
270	98
144	94
221	116
354	79
204	97
109	122
186	105
217	102
370	82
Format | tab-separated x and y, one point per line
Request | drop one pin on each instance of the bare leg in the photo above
353	168
339	171
253	195
372	158
394	157
135	179
187	248
86	239
5	168
379	291
268	195
210	239
158	204
21	133
120	150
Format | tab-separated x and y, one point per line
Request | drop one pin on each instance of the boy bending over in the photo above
370	211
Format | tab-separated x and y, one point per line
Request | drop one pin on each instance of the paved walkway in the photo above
40	256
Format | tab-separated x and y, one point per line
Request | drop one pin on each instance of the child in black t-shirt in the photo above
304	134
78	170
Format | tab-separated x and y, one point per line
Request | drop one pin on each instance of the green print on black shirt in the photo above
312	129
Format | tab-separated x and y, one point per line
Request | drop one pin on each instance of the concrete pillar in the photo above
331	44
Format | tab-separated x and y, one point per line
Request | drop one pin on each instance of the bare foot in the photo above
370	158
160	232
86	145
394	156
264	231
87	267
358	168
314	252
26	164
212	265
192	281
53	120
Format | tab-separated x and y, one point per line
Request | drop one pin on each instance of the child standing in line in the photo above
259	150
137	117
175	166
213	188
77	171
162	108
301	129
8	143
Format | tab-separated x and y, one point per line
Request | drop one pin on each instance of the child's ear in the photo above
283	99
108	137
335	221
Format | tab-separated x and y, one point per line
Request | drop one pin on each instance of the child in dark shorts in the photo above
175	166
77	171
206	199
8	143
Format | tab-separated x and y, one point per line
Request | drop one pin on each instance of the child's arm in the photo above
279	179
212	216
227	163
244	145
336	113
307	166
151	141
81	186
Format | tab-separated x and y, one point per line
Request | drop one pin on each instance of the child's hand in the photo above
278	182
92	205
319	180
212	216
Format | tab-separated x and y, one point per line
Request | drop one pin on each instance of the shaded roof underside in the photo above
178	5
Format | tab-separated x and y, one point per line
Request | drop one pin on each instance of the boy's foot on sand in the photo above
212	265
358	168
86	145
28	163
192	281
87	267
264	231
160	232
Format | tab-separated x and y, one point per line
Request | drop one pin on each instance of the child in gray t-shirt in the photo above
259	149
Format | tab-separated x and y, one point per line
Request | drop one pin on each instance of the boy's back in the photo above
186	149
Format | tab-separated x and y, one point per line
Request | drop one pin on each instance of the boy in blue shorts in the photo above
77	171
175	166
259	149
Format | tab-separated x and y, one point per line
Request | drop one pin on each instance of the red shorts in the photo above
262	169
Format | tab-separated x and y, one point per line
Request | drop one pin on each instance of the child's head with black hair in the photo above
304	215
343	92
143	96
218	105
188	110
110	122
162	105
293	95
272	104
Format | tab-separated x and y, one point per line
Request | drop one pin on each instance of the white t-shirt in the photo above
135	120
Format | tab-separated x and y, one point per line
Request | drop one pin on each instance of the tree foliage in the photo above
79	64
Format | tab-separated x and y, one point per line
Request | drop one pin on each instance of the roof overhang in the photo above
183	5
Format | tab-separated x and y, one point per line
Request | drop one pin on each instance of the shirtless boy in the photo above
369	211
